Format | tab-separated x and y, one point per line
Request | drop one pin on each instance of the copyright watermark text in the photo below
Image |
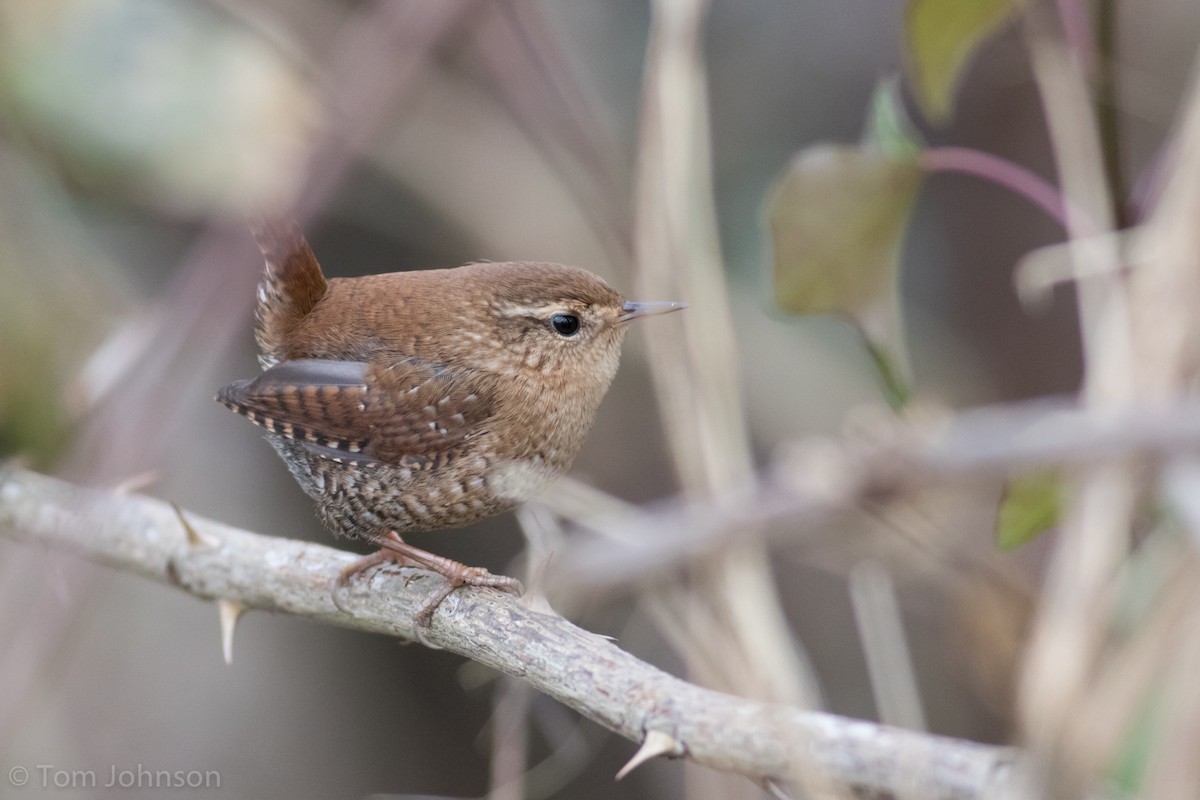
115	776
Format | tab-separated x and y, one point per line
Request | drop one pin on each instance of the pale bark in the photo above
587	672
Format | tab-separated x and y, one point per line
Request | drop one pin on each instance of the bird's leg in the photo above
393	548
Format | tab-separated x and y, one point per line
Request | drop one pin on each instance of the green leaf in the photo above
1030	506
33	420
889	129
1143	737
940	38
837	217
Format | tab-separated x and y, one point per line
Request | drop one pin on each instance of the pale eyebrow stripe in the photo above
532	311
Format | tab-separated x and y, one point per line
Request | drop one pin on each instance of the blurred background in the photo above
135	133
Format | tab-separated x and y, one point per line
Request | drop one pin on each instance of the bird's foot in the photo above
393	548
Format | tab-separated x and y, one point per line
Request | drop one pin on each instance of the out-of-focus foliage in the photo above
33	421
940	38
1030	506
838	216
1142	741
171	105
164	102
889	130
58	301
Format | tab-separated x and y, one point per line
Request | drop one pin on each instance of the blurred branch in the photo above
374	60
695	366
817	481
587	672
1107	110
552	109
1068	641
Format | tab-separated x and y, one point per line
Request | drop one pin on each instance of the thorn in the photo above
656	743
230	612
194	537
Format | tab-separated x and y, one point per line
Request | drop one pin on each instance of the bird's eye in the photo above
565	324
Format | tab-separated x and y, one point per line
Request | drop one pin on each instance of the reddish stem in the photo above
1004	173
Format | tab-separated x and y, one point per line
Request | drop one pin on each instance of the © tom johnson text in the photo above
115	777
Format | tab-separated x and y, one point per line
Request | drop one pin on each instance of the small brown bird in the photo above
415	401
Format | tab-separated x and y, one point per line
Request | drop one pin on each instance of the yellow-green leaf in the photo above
940	37
837	218
1030	506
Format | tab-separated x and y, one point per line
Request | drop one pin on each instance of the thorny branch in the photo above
584	671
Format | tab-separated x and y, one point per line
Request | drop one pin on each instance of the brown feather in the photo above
419	411
292	284
408	413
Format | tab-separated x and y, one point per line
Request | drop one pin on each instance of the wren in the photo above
416	401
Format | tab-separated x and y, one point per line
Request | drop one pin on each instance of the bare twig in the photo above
987	443
582	670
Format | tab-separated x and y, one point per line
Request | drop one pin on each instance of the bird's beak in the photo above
636	310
